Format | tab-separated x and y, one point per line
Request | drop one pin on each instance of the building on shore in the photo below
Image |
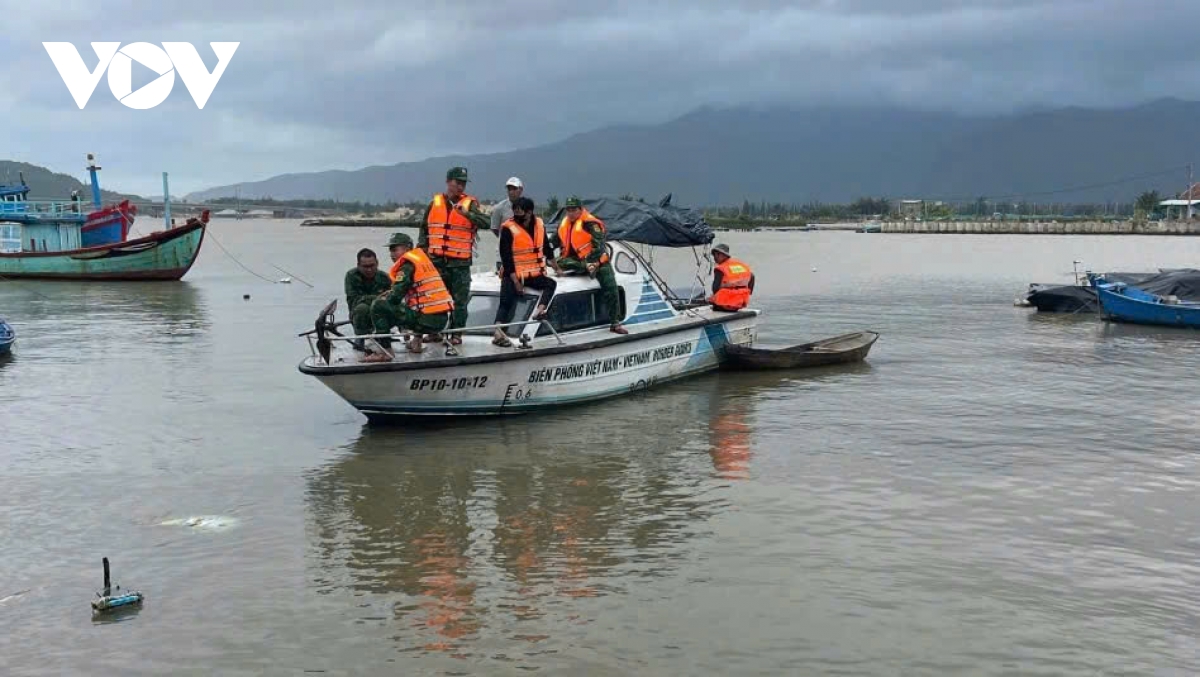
1184	205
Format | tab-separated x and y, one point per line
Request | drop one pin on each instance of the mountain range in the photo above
724	156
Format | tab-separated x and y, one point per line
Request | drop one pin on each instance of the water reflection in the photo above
154	312
518	528
730	435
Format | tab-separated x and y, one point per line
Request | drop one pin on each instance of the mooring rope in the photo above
23	287
235	260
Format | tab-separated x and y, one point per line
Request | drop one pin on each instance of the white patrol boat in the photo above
568	357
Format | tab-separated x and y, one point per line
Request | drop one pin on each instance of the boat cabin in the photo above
39	237
13	200
577	304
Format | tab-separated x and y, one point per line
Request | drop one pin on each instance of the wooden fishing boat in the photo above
837	350
166	255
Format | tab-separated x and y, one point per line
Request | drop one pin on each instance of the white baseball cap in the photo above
514	181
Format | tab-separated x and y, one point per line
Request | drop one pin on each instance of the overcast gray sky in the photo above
320	85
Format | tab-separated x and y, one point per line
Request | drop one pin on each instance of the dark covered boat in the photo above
1081	298
837	350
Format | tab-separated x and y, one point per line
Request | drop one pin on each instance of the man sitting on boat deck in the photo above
581	237
733	281
448	230
524	251
418	301
363	283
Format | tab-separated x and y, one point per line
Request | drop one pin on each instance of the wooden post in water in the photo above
166	204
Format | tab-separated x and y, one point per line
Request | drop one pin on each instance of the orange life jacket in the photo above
450	234
395	269
576	239
428	294
528	252
734	293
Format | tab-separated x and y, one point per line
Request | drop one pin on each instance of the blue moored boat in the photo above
1124	303
8	336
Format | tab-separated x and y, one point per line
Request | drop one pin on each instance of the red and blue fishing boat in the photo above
100	225
60	240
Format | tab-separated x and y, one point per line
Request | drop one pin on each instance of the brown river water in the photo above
992	493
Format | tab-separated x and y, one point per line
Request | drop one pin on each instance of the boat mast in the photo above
92	168
166	203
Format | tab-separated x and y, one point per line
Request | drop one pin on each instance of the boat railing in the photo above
310	335
41	207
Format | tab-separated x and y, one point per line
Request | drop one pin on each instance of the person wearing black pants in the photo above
524	252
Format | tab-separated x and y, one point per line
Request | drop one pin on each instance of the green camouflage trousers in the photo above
360	317
608	284
458	282
386	315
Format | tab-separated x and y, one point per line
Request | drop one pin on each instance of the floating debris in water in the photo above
9	598
112	599
285	280
202	522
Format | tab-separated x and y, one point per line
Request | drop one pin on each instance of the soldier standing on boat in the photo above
582	239
448	231
733	281
418	301
524	251
363	284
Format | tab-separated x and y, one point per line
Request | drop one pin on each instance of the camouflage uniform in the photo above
456	273
604	274
391	310
360	292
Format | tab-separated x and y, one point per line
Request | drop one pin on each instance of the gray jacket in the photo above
501	213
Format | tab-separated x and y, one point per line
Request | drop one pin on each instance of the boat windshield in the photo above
481	312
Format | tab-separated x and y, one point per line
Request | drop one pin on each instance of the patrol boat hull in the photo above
571	358
519	381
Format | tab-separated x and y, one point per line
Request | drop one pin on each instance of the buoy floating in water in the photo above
107	601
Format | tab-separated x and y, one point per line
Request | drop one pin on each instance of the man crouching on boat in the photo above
417	302
581	236
733	281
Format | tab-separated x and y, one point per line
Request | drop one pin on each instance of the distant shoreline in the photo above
350	222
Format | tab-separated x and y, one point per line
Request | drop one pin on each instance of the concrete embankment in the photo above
360	223
1044	228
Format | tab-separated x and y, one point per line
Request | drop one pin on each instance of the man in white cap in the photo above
502	212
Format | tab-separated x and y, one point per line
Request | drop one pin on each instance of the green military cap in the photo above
574	201
457	173
400	240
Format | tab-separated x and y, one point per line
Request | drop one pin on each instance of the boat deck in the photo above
476	348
